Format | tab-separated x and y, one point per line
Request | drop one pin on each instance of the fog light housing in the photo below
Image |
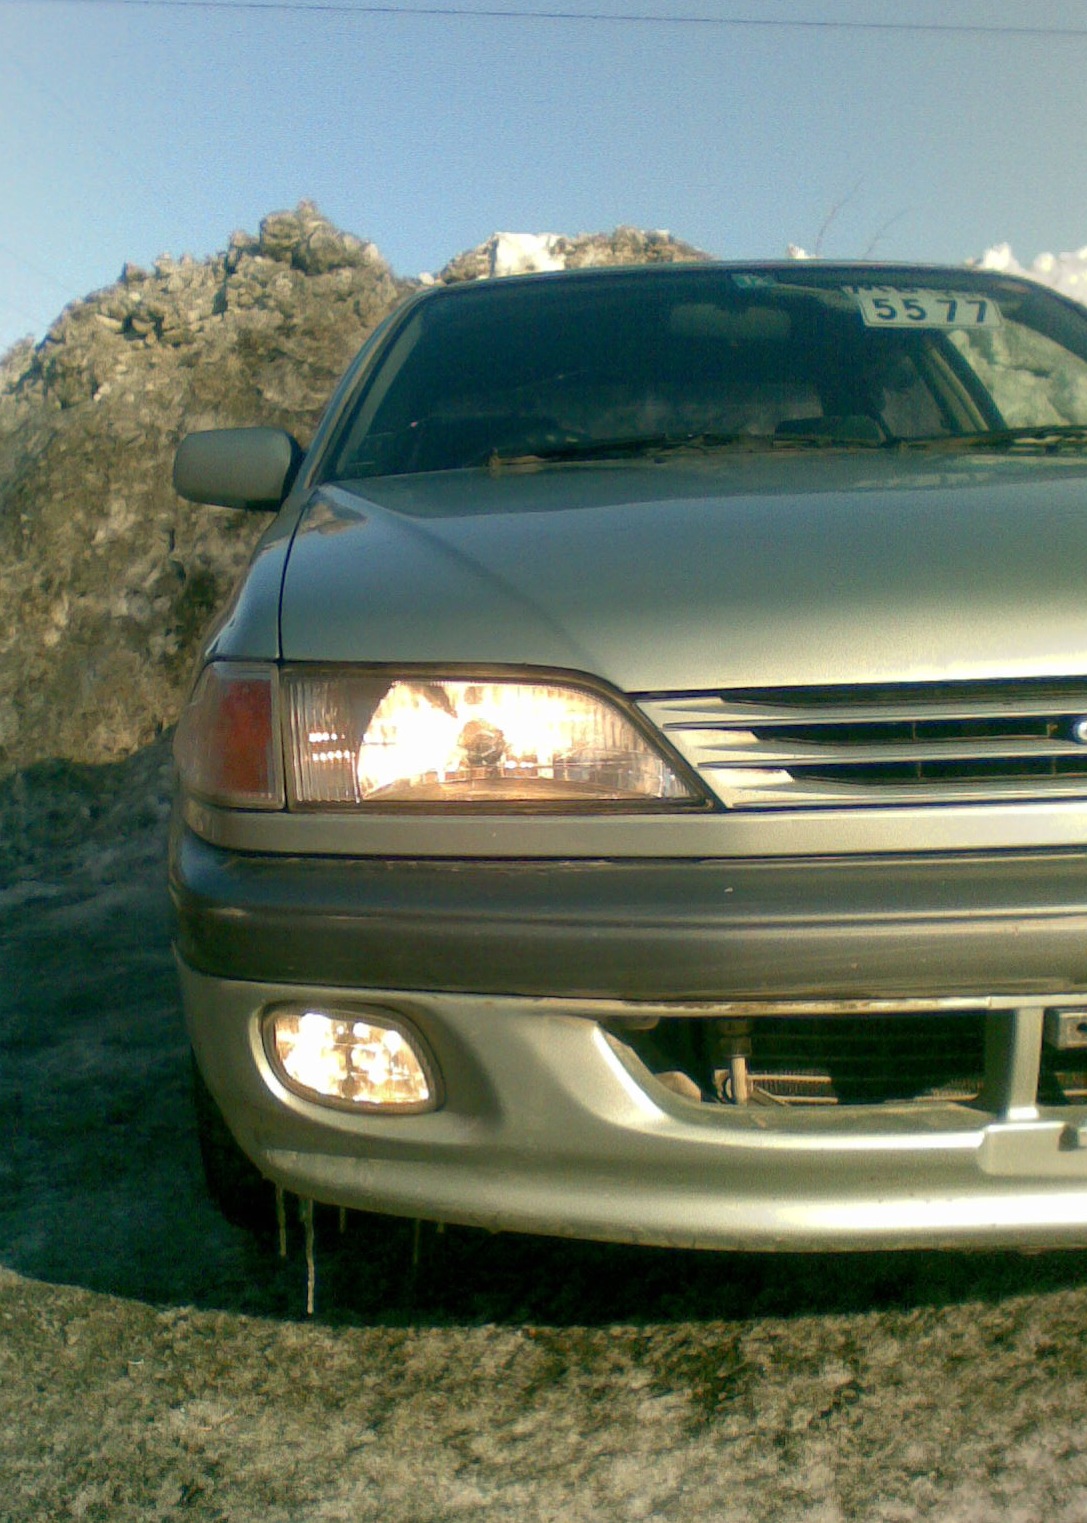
361	1060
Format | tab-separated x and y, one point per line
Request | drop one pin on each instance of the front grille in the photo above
864	1061
868	1053
822	1059
1062	1079
841	746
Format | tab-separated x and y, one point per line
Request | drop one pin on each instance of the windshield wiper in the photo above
654	446
628	447
1049	438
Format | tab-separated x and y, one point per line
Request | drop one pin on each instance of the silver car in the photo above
639	790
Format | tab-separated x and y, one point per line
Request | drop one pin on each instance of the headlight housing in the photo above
364	738
369	739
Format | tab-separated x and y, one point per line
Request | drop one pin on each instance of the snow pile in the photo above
530	253
1066	273
525	253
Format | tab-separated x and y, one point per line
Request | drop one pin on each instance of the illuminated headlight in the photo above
365	738
363	1061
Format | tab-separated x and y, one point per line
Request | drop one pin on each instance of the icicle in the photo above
305	1211
281	1220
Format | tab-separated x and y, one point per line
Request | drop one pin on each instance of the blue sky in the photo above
129	130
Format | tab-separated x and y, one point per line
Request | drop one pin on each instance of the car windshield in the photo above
635	363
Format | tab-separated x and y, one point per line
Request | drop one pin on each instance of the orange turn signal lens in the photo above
227	746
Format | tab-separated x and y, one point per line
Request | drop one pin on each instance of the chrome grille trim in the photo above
938	742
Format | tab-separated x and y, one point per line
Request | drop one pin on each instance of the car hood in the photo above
697	572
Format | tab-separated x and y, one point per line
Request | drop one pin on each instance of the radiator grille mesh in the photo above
832	1059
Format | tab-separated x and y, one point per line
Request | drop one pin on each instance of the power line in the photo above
629	18
33	269
36	325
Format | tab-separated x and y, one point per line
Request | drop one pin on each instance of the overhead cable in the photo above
616	18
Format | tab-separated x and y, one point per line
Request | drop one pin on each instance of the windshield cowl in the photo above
865	435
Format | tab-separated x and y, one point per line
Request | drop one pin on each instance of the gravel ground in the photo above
158	1364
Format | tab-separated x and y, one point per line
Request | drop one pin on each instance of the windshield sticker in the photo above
902	307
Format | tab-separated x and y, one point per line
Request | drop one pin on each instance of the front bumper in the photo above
511	971
861	927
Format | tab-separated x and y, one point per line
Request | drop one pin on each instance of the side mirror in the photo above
237	467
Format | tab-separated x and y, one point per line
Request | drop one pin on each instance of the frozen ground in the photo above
157	1364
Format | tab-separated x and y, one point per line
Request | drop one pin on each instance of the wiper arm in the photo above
818	439
1047	437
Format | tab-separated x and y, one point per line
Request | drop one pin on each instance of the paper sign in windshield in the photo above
895	307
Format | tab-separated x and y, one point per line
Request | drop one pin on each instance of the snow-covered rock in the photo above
529	253
525	253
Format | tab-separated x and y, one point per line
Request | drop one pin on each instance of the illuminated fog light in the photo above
366	1061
